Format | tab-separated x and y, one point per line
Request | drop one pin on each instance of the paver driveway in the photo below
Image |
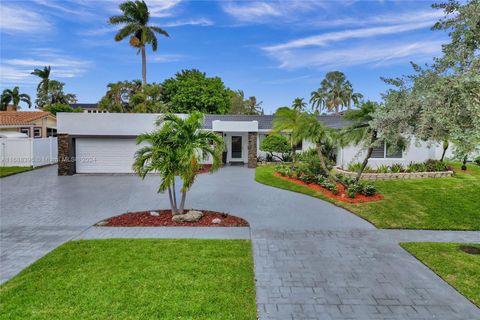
312	260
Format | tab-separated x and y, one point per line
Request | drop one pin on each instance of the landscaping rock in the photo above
102	223
190	216
154	214
216	221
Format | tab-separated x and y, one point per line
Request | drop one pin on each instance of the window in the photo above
26	131
37	132
299	146
383	151
51	132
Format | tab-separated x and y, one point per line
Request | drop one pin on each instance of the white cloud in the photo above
374	54
17	70
20	19
204	22
251	11
161	8
325	38
163	58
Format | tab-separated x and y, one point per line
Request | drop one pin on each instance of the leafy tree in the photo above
175	149
299	104
441	101
240	105
191	90
135	19
13	96
334	92
58	107
42	88
290	121
55	94
276	144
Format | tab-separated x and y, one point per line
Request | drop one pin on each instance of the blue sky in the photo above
275	50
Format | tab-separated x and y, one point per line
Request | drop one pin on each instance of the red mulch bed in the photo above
144	219
341	196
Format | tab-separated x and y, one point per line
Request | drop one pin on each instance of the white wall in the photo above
26	152
415	152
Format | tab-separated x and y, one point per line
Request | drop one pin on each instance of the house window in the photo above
299	146
26	131
37	132
51	132
382	151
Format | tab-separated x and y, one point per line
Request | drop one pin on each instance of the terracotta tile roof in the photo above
9	118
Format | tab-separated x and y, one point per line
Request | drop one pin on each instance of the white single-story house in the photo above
105	142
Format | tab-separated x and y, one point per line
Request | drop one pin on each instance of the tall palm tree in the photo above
14	97
175	149
299	104
334	92
290	121
135	20
43	74
252	107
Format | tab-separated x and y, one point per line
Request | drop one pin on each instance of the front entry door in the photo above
236	147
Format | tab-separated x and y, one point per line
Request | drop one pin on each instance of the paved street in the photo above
313	260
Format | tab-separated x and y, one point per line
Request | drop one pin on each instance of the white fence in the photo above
26	152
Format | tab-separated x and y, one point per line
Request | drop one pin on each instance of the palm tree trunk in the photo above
173	205
369	154
144	66
445	147
323	164
182	202
174	196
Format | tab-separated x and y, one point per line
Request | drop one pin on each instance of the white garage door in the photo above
95	155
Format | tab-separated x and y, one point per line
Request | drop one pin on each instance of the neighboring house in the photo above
105	142
35	124
87	107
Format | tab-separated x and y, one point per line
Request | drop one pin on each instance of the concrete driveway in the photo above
313	260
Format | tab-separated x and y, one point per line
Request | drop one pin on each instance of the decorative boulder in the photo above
216	221
154	214
190	216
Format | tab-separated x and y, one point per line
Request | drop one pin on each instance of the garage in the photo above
104	155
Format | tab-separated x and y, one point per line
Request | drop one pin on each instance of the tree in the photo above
42	88
361	131
299	104
175	149
276	144
290	121
191	90
240	105
441	101
58	107
323	137
14	97
252	107
135	19
55	94
334	92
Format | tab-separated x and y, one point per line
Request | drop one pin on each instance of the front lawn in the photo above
441	204
136	279
461	270
8	171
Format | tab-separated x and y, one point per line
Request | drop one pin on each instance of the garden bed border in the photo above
399	175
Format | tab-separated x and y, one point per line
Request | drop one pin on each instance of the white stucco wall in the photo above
415	152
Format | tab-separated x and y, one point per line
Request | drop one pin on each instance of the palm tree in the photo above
360	131
334	92
290	121
44	75
175	149
323	137
299	104
14	97
135	18
252	107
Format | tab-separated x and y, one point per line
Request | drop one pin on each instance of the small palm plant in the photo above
175	150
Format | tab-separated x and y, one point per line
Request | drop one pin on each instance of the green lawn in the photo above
441	204
459	269
136	279
8	171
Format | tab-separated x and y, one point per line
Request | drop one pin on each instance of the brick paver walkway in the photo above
312	260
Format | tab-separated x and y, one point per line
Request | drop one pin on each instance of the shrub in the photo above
382	168
369	190
477	160
354	166
330	186
351	192
320	179
275	144
396	168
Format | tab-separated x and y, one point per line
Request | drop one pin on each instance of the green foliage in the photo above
335	91
13	96
43	86
59	107
276	144
191	90
55	94
427	166
396	168
132	97
369	190
382	168
241	105
477	160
